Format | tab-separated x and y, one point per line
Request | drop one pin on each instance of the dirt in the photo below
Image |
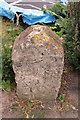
69	108
12	106
10	109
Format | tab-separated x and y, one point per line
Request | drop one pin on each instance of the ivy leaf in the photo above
8	89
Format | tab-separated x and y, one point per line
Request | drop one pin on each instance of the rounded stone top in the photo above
38	35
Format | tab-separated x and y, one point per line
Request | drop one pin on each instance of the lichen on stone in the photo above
38	63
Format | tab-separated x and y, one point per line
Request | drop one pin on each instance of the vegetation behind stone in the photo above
72	39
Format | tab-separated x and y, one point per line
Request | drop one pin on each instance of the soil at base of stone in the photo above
68	109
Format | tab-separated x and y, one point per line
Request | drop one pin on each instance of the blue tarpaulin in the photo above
64	2
30	16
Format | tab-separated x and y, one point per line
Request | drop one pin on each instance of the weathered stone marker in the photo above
38	61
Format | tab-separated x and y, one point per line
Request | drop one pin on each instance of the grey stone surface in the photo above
38	61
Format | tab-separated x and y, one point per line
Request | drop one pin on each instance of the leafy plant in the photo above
59	9
6	85
10	34
7	64
62	98
72	39
60	12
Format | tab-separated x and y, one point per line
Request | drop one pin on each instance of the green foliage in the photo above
60	13
59	10
6	85
49	12
10	34
6	63
62	98
72	40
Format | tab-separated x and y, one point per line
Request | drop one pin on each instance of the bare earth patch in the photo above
10	109
69	108
12	106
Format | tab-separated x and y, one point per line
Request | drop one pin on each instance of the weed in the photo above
6	85
10	33
62	98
